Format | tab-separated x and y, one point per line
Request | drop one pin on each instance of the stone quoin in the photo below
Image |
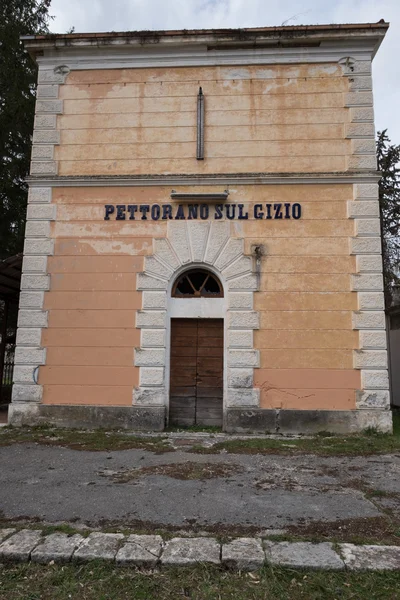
203	238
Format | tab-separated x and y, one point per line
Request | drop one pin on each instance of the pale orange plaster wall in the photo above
276	118
305	300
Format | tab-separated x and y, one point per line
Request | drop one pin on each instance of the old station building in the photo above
203	238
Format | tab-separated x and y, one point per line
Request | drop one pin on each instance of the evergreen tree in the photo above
389	200
18	76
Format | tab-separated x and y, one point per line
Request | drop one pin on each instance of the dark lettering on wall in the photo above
181	212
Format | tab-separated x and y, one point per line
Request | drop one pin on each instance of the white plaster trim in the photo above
32	317
217	179
371	356
208	245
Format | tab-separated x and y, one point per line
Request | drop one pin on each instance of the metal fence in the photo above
6	383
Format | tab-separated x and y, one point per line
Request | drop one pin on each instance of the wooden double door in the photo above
197	366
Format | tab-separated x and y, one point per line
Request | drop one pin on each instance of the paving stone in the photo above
371	558
243	554
5	533
58	547
184	551
303	554
20	545
102	546
141	551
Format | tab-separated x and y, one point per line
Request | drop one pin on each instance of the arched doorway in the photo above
197	350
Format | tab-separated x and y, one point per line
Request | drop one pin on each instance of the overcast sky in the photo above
125	15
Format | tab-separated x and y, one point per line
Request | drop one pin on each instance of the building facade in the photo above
203	236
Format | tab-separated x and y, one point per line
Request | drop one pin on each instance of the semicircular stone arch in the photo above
207	244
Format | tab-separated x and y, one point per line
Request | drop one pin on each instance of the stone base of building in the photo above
242	420
236	420
139	418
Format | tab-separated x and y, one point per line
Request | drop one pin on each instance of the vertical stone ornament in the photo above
200	125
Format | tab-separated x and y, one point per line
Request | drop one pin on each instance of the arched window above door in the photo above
197	283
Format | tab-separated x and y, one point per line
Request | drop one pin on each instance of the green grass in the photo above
98	440
96	581
323	444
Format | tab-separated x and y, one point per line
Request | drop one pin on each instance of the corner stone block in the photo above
154	300
49	106
375	359
32	318
48	76
373	340
23	374
149	357
238	300
369	320
242	397
367	282
24	393
371	558
361	161
30	356
368	245
303	554
20	545
39	246
243	554
100	546
46	136
240	339
243	358
358	99
362	130
34	264
42	152
37	194
44	167
35	282
41	212
31	300
185	551
360	115
368	263
29	336
375	399
57	547
372	379
142	396
151	376
140	551
37	229
360	82
244	320
368	226
150	318
151	338
366	191
363	146
47	91
371	301
363	208
240	378
46	121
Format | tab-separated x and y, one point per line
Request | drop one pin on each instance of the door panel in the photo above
196	380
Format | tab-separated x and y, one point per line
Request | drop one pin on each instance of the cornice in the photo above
197	180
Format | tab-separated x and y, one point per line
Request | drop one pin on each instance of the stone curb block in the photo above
148	551
370	558
185	551
301	554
